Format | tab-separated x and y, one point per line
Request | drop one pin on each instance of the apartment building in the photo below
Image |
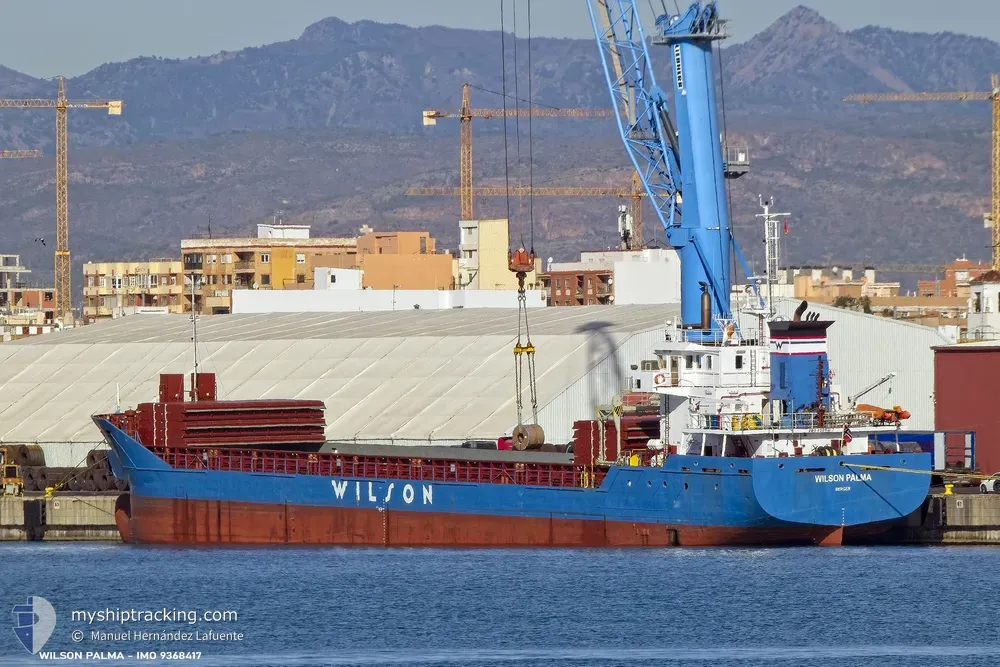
113	289
483	259
280	257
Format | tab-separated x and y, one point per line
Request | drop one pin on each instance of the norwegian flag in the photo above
848	436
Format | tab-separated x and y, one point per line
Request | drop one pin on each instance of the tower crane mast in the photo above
63	283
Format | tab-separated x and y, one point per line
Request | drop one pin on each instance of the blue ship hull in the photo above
690	500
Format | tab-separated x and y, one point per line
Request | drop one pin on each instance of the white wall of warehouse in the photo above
609	359
334	301
647	282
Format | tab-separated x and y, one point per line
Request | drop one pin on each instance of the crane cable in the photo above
518	367
531	233
520	260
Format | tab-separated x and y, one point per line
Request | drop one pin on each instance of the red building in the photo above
965	379
955	283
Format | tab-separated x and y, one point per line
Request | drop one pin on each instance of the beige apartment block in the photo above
116	288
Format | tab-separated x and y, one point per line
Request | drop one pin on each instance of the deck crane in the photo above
61	105
991	219
852	401
682	166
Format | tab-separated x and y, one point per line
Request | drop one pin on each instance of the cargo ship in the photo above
772	462
752	447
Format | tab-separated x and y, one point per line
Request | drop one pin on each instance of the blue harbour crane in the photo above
678	156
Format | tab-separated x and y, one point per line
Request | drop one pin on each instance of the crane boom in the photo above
526	191
682	166
635	195
640	105
465	116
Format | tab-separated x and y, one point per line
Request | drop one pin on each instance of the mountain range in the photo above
327	129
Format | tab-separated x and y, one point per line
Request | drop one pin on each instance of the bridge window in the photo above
689	361
739	361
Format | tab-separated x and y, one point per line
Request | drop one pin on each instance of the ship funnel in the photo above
799	311
706	308
800	370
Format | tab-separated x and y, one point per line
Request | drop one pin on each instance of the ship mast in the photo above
772	249
194	339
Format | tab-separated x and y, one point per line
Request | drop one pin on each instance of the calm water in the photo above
746	607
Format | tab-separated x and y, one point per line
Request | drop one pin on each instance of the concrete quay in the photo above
68	518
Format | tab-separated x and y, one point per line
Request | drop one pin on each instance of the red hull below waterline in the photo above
182	521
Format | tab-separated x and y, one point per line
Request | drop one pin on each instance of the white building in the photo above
276	230
650	276
348	300
325	278
984	307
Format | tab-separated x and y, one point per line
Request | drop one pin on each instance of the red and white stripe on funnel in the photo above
784	344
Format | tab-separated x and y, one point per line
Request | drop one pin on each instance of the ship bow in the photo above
842	491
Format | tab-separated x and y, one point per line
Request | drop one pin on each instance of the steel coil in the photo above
525	436
30	455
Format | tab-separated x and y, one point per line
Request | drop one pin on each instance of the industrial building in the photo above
963	374
402	377
397	377
111	289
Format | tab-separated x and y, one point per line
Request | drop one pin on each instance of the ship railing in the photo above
753	421
380	467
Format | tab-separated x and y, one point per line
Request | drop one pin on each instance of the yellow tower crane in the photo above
61	105
465	116
634	194
992	218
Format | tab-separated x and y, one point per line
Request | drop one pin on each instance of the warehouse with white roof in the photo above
404	377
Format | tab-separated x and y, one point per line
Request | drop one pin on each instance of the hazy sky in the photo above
45	38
